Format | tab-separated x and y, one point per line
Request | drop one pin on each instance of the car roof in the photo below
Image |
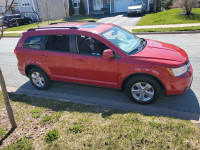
94	27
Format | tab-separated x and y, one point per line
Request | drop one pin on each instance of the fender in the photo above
143	70
39	64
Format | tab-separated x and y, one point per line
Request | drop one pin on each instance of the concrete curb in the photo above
144	109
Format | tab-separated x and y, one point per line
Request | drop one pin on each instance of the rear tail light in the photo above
15	52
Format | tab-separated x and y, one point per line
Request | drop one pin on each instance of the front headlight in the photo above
178	71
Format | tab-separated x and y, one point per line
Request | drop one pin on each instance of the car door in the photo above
58	57
91	68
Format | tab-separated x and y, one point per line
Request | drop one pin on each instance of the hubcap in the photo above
142	91
38	79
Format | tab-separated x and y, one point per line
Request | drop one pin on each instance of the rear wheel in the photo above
143	89
39	78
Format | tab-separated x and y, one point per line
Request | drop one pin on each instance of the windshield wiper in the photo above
142	45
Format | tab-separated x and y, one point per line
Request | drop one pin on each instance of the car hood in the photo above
162	51
135	7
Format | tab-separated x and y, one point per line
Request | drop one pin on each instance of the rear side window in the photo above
34	42
59	43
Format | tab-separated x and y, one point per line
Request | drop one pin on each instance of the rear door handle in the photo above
80	60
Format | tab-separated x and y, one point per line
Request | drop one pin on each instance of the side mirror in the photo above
108	54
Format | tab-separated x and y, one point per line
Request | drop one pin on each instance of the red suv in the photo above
103	55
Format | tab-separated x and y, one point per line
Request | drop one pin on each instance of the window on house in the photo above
76	3
25	3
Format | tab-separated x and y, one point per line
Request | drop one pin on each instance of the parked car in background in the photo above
103	55
136	7
17	20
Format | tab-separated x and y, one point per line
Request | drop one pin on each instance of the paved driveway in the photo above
183	106
121	20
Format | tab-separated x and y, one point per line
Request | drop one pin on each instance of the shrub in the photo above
82	8
71	8
167	4
51	136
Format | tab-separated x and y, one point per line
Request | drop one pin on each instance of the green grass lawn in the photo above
170	17
51	124
167	29
12	34
70	19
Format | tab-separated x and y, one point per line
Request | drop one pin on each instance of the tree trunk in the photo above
7	102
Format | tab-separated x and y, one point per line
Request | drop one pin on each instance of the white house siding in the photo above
121	5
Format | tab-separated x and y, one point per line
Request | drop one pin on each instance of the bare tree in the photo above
37	11
8	8
2	81
187	5
66	9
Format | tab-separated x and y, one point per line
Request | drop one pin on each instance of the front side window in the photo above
34	42
89	46
123	39
76	3
59	43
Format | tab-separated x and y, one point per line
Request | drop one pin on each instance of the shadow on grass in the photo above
7	135
76	98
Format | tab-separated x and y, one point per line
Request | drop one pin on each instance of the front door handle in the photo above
44	56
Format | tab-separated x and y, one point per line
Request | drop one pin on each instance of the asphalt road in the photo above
121	20
176	106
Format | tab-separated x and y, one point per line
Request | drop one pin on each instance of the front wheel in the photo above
39	78
143	89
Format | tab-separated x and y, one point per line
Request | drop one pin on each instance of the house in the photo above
57	9
100	6
3	7
37	9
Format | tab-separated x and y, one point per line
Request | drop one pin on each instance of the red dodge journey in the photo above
103	55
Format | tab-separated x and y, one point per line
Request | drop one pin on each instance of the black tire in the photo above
43	74
143	79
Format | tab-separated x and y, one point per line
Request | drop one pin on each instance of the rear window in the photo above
58	43
34	42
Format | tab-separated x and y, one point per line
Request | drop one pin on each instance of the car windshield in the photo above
136	2
124	40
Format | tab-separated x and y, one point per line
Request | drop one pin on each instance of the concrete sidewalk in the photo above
129	28
167	26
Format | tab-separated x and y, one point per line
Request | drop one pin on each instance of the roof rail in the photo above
91	21
33	29
56	23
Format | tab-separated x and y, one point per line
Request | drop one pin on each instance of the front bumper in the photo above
132	12
178	85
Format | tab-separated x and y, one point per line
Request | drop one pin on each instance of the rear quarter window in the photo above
34	42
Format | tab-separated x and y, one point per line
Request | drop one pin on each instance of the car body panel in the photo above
153	60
